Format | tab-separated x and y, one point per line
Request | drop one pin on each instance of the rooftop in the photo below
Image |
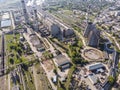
5	23
36	41
93	78
94	66
62	60
5	16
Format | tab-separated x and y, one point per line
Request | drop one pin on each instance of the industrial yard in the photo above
60	45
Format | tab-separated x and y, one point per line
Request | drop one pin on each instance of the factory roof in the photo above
5	16
5	23
69	32
94	66
93	79
36	41
62	60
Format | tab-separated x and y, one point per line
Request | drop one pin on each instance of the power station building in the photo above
92	35
68	33
55	31
25	11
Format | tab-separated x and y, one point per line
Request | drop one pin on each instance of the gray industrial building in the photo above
68	33
93	39
5	23
92	35
93	78
25	11
90	27
36	42
55	31
6	20
94	66
62	61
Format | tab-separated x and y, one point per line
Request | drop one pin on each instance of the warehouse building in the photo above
62	62
5	23
36	42
93	79
94	66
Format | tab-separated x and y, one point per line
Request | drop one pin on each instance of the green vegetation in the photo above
74	53
47	55
119	65
111	79
69	77
76	28
65	85
29	80
15	50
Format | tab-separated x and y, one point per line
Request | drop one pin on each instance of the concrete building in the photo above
36	42
62	61
55	31
93	39
93	79
5	23
94	66
36	26
89	28
92	35
25	11
6	20
68	33
5	16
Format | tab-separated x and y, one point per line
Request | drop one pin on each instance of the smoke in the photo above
34	2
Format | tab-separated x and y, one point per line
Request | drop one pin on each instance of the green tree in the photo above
111	79
11	60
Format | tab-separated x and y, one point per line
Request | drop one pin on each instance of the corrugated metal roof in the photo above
5	23
5	16
93	78
94	66
62	60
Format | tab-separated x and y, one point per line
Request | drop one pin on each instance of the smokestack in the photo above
36	20
25	12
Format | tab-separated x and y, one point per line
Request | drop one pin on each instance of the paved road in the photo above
39	54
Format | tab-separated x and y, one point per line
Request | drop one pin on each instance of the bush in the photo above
11	61
111	79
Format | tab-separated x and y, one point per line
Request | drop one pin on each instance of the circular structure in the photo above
92	54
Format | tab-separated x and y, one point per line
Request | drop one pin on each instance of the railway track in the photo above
2	62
